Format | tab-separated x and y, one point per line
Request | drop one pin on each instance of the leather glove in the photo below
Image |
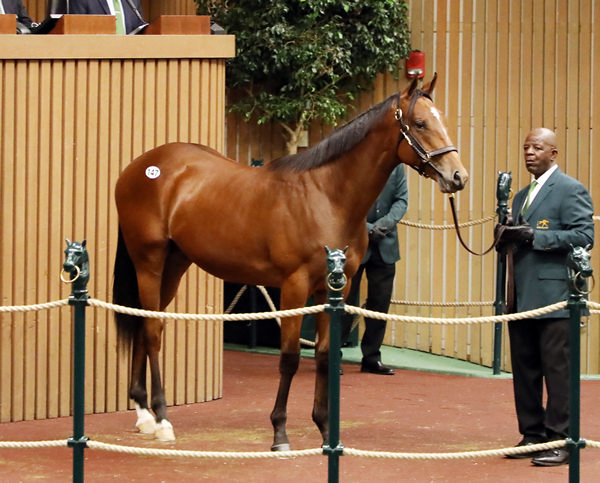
520	234
378	233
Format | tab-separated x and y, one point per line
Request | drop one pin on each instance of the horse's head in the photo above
427	147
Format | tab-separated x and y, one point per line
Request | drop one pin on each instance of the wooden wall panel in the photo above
504	67
68	128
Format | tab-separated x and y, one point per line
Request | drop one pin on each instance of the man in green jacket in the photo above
379	264
551	215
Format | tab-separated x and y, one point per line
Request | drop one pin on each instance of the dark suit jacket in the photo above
388	210
16	7
561	215
100	7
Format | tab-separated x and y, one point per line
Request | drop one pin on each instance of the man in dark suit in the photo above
550	215
379	264
128	12
17	8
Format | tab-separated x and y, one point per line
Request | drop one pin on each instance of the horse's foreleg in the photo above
292	296
288	365
320	413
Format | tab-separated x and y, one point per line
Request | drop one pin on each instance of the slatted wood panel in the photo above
504	68
68	126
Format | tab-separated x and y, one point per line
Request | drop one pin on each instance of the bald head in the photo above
540	151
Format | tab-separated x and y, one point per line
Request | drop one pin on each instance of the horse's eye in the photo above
420	124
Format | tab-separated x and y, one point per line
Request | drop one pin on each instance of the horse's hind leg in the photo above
174	267
137	390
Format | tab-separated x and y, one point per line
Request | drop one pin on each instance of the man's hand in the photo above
520	235
378	233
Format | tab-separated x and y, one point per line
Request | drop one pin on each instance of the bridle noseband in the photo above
425	156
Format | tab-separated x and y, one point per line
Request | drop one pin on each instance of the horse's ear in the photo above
587	247
83	243
327	250
345	248
429	87
68	241
413	86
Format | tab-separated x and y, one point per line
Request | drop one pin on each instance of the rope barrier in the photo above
448	321
204	454
33	308
442	304
305	311
33	444
210	317
481	221
515	450
296	453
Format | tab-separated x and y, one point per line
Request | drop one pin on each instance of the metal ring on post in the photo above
331	287
63	271
584	292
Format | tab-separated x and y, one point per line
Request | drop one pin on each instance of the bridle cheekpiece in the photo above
425	156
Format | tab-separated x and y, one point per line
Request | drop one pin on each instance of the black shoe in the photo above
552	457
528	454
377	368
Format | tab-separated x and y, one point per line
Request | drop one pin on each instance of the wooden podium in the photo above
85	25
8	24
179	25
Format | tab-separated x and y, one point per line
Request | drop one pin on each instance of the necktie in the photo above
120	17
529	197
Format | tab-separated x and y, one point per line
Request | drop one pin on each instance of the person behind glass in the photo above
379	264
128	12
16	7
552	214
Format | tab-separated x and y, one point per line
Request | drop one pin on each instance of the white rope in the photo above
34	444
453	456
32	308
204	454
447	321
442	304
210	317
447	227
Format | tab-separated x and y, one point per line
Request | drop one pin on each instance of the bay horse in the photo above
183	203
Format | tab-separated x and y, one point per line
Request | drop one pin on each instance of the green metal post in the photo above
576	303
335	308
502	195
78	267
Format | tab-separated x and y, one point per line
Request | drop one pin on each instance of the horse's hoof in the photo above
164	431
146	423
281	447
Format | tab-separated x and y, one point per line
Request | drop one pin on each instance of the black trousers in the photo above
380	283
540	353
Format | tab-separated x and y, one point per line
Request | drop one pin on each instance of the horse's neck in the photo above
358	177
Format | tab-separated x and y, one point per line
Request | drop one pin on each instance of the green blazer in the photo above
387	211
561	215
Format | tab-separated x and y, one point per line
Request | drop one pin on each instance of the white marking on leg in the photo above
145	423
164	431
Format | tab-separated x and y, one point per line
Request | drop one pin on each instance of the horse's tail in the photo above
125	293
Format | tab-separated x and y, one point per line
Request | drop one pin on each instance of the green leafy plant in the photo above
303	60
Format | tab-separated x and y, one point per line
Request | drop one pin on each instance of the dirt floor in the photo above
409	412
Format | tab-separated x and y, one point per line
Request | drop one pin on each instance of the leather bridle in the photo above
425	156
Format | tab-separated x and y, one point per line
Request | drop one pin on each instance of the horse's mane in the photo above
337	143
